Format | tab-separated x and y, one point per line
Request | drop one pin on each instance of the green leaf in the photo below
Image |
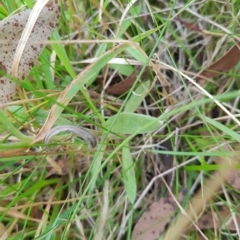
3	11
145	34
206	167
128	123
61	53
137	97
124	26
223	128
129	174
29	3
35	187
96	166
7	125
46	69
125	70
102	49
135	53
39	115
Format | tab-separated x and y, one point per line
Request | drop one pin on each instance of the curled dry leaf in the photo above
80	132
154	221
223	64
10	32
122	87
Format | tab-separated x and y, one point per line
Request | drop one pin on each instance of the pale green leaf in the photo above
223	128
129	178
128	123
6	124
96	166
136	54
137	97
101	50
125	70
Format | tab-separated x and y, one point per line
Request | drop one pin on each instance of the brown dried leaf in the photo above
36	212
154	221
225	63
122	87
11	30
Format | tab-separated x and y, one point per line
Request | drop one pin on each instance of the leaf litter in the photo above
152	220
10	34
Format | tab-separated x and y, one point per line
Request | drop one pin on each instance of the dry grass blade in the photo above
199	201
17	214
11	32
3	229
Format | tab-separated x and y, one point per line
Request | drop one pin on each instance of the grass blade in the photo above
129	174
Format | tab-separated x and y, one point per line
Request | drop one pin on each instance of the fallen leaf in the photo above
36	212
11	30
224	64
188	25
122	87
165	207
154	221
